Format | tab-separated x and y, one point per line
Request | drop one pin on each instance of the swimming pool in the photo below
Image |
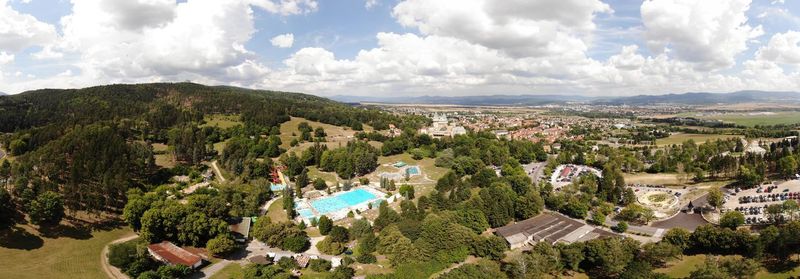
413	170
276	187
342	201
305	213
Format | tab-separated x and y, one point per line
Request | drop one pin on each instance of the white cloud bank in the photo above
460	47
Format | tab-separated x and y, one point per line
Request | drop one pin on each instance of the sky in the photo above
406	47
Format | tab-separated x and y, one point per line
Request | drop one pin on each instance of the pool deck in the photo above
341	213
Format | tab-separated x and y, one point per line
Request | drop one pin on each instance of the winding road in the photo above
110	270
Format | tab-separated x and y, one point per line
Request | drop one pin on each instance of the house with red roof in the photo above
171	254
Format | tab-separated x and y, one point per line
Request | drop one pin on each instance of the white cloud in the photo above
19	31
708	33
6	58
283	41
782	48
287	7
369	4
520	28
47	53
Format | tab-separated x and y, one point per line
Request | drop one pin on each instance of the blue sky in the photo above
414	47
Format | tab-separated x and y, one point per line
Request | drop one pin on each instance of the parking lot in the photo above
753	203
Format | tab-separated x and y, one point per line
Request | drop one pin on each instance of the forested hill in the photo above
92	145
162	103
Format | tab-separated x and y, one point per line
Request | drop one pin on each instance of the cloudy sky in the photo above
411	47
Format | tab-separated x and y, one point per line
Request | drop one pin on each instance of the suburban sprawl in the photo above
182	180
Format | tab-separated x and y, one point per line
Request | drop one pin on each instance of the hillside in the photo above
707	98
93	144
162	103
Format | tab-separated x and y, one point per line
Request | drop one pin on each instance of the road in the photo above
216	170
110	270
535	171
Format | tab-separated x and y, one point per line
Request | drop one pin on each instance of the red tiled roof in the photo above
173	254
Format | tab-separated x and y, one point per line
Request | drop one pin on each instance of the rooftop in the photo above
173	254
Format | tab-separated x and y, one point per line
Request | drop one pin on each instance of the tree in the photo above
659	253
731	219
319	184
787	166
715	198
679	237
492	247
221	245
319	132
330	247
46	209
324	224
296	243
407	191
7	208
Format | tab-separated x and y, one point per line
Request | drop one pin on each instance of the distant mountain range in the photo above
3	93
484	100
693	98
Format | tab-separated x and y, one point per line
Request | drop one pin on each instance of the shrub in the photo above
122	255
319	265
621	227
366	258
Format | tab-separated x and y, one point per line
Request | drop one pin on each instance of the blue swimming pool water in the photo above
305	213
341	201
412	170
276	187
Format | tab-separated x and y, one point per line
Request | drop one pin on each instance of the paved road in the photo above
112	271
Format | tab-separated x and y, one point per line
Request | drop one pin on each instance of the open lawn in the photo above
74	254
231	271
276	213
336	135
221	121
164	160
698	138
753	119
683	267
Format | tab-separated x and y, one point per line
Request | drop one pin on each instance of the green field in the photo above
75	254
276	213
684	266
698	138
231	271
758	119
221	120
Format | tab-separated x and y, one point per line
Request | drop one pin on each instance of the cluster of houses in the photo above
441	127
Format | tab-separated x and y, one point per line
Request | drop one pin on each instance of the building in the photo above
171	254
241	230
551	228
755	148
